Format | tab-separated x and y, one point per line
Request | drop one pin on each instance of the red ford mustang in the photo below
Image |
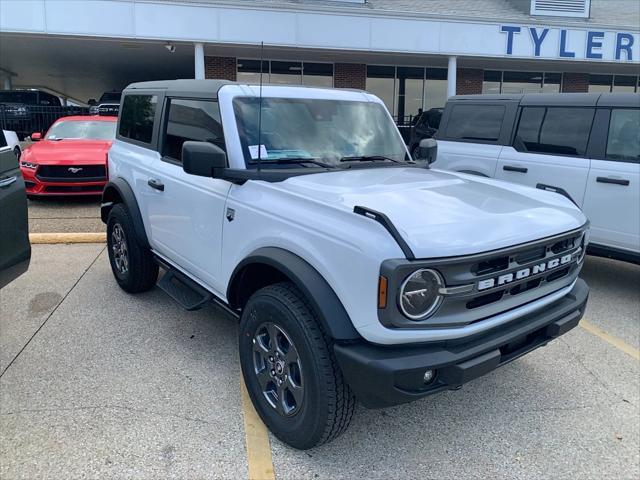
71	159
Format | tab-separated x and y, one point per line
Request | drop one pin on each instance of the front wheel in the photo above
290	370
132	264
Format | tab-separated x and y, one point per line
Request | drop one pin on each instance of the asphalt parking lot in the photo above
96	383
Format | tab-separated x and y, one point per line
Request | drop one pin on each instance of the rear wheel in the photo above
131	263
290	370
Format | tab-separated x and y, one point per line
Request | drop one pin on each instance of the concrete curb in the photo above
55	238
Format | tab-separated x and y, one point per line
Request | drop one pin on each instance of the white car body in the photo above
12	141
607	191
439	214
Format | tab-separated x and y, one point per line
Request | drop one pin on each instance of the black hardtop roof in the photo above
558	99
192	86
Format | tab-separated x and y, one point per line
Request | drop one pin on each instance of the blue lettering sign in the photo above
624	41
537	40
509	30
563	46
594	41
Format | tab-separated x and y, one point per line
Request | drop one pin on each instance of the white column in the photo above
452	73
198	54
7	82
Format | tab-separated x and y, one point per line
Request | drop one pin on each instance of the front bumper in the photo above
383	376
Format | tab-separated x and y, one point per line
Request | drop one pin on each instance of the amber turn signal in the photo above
382	292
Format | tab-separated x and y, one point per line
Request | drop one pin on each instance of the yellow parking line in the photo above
53	238
616	342
258	448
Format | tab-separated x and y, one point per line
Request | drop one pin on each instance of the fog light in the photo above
429	375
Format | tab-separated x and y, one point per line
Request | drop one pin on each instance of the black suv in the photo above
26	111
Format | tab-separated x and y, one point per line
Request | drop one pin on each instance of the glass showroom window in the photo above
600	83
496	81
381	82
435	88
289	73
614	83
624	83
409	92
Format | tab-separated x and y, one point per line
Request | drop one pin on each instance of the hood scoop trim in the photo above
383	220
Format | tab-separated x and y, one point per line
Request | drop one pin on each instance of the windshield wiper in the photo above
369	158
292	160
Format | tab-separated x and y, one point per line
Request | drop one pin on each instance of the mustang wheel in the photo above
132	264
290	370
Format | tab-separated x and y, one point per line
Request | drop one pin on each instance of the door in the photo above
612	200
471	142
186	212
15	250
548	150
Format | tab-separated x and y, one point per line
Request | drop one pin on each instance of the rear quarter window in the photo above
481	123
137	117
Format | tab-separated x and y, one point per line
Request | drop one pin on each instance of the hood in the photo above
69	152
443	214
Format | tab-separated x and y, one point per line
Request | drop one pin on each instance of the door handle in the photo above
5	182
615	181
509	168
155	183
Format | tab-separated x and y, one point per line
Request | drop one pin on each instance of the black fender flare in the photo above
118	190
331	313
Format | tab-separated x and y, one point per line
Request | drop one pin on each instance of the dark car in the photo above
425	126
15	250
26	111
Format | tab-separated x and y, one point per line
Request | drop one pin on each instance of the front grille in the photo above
71	173
488	284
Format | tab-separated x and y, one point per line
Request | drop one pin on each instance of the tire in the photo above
131	263
324	406
17	152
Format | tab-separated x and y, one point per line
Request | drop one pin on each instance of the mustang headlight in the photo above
420	294
31	165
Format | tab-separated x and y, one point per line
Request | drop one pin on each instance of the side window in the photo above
475	122
623	143
3	140
554	130
136	120
197	120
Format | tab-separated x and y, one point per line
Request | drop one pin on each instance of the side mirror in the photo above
203	159
36	137
428	150
92	102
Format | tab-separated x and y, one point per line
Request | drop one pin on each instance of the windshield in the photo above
90	130
326	133
110	97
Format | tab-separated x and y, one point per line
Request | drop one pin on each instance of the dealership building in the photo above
411	53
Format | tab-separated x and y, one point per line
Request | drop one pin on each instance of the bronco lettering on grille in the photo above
525	272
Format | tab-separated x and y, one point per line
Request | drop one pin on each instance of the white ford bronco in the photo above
355	271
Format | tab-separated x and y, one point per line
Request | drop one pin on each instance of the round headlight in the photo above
420	295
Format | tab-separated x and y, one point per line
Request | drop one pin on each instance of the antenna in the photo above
260	109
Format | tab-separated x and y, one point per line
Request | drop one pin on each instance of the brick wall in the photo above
575	82
350	75
220	68
469	81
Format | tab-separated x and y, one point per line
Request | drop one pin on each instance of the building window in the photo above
289	73
614	83
496	81
407	91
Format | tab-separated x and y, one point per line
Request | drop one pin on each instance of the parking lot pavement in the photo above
117	386
65	214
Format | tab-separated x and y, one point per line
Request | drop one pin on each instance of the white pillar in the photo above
7	82
198	53
452	73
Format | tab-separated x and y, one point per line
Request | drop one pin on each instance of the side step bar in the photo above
183	290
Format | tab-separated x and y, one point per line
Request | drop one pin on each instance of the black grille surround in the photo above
467	300
71	173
